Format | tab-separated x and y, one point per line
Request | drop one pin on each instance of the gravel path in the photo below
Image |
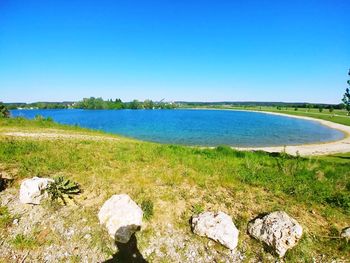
56	135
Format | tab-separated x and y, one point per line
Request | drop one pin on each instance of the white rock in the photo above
278	230
216	226
32	191
121	216
345	233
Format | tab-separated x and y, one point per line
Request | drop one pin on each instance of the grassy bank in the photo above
178	181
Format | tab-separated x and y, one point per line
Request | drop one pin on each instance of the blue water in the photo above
196	127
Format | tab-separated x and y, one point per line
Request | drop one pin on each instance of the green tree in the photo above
4	112
118	104
346	98
135	104
148	104
331	109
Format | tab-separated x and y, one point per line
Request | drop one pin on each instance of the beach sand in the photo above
340	146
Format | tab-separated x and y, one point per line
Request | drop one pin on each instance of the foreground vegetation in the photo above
172	182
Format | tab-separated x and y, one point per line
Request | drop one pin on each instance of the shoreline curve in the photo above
312	149
323	148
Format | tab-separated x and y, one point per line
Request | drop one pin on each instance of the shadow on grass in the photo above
341	157
4	183
127	252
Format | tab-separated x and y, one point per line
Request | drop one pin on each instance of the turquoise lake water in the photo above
196	127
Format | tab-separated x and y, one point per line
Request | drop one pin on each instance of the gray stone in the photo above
121	216
216	226
32	191
345	233
278	230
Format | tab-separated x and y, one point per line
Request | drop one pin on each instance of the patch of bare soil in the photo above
56	135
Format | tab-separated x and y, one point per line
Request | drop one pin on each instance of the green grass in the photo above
172	182
5	218
147	208
22	242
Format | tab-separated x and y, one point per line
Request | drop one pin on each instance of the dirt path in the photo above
57	135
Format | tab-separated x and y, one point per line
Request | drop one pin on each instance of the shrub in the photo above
225	150
62	188
4	112
340	200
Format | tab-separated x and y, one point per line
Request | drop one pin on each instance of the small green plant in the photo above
62	188
287	164
5	217
41	118
24	242
38	117
147	208
197	209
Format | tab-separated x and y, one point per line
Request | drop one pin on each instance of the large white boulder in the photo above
216	226
278	230
32	191
121	216
345	233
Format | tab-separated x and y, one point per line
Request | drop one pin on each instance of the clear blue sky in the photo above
179	50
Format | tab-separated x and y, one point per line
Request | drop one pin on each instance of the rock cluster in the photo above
121	216
32	191
216	226
278	230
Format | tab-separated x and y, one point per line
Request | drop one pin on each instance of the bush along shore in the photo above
93	197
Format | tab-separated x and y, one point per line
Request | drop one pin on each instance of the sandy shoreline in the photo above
324	148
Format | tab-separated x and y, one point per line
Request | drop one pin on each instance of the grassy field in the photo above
179	181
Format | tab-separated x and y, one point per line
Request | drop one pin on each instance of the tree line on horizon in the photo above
93	103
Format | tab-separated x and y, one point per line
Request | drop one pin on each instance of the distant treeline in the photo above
262	104
117	104
38	105
93	103
98	103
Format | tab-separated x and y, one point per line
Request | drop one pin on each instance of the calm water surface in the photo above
196	127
